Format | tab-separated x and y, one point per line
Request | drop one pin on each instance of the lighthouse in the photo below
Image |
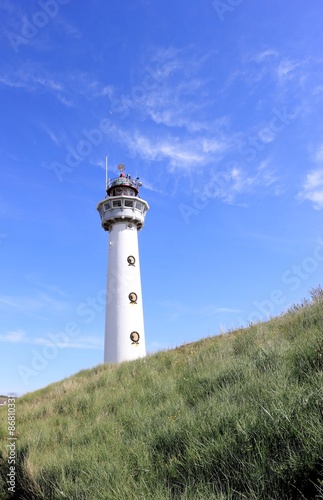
123	214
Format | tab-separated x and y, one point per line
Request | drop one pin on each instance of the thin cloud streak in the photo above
21	337
179	153
31	305
178	310
312	187
33	78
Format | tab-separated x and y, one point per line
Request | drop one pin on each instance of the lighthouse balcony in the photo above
122	209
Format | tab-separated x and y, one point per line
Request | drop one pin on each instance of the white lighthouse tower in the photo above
123	214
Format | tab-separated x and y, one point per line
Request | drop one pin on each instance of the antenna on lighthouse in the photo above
106	172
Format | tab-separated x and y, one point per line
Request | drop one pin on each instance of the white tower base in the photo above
124	315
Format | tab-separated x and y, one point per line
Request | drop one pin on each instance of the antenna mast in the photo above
106	172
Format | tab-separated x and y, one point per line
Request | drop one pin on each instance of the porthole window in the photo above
131	260
134	337
133	297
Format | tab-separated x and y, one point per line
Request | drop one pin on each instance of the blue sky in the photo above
217	106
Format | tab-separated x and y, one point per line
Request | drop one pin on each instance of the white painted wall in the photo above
122	316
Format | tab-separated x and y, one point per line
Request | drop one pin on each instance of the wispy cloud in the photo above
228	185
286	69
38	284
312	187
64	87
159	346
183	153
176	96
26	79
286	74
52	135
262	176
177	310
265	55
150	186
182	136
82	342
14	336
318	155
31	305
67	27
176	104
175	108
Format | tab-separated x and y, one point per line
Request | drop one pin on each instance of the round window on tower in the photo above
133	297
134	337
131	260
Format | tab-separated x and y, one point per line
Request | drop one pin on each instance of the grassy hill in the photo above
238	416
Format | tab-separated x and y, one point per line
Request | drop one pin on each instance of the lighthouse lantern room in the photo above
123	214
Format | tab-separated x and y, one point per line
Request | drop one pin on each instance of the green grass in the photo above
238	416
